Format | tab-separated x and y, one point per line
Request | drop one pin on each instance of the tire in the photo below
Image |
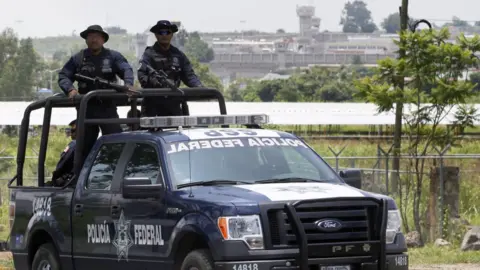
45	256
198	260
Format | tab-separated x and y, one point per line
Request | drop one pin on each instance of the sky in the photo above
63	17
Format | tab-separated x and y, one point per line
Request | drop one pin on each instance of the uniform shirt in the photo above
65	164
115	60
160	59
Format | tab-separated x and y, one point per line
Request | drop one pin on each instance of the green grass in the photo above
441	255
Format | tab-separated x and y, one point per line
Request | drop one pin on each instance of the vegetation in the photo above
433	66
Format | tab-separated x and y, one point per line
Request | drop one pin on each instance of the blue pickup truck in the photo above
193	193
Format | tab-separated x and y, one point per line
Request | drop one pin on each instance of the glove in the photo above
153	82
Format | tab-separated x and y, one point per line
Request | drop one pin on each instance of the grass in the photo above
359	152
442	255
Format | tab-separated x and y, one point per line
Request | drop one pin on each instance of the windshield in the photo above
245	160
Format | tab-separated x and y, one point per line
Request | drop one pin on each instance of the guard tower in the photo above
305	14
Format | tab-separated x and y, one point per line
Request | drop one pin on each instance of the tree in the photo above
356	18
27	68
475	79
207	78
391	24
430	60
459	23
19	66
198	48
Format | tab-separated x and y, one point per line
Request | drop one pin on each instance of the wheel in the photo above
46	258
198	260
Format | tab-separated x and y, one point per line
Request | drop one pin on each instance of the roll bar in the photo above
81	102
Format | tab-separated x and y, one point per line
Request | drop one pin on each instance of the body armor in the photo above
95	66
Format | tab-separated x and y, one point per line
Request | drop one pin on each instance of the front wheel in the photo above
198	260
46	258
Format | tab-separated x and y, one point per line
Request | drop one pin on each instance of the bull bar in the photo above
303	260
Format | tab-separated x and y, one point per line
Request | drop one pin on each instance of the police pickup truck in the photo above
182	194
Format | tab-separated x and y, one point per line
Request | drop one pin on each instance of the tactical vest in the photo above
168	62
88	66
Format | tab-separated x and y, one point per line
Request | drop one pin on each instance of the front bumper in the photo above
393	262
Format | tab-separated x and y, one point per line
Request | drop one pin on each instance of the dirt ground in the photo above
7	255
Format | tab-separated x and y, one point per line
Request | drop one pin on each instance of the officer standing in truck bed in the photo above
164	56
96	61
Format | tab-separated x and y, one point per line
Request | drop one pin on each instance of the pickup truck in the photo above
188	196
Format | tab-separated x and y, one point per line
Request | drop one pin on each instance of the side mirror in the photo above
141	188
352	177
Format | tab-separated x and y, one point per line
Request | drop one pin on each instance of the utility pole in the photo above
397	139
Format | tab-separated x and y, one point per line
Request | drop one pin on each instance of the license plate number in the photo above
401	261
337	267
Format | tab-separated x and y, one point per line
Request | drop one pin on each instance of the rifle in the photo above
99	82
162	77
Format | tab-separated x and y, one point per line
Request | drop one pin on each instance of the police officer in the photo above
164	56
64	170
96	61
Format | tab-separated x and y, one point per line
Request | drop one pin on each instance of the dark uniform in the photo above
175	64
105	65
64	170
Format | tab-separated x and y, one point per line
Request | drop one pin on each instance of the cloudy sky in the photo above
62	17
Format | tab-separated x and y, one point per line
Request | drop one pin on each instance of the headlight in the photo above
394	225
243	228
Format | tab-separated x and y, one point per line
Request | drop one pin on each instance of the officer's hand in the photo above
72	93
131	90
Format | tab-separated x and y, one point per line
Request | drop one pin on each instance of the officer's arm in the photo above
66	76
188	77
142	72
125	70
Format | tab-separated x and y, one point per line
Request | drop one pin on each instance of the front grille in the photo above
359	223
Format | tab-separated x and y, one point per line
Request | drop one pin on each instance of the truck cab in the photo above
191	192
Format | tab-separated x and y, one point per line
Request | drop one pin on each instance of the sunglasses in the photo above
164	32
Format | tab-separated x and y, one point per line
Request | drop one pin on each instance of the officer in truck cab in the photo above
96	61
164	56
64	169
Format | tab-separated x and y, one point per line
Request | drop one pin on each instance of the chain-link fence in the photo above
452	180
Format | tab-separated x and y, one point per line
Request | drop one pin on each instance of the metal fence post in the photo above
336	154
442	187
387	158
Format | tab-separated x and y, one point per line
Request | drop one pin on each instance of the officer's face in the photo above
164	36
95	41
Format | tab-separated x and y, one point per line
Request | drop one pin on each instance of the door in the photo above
91	215
139	238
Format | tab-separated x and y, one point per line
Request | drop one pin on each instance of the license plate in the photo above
337	267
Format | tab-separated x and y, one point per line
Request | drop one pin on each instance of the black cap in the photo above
164	25
94	29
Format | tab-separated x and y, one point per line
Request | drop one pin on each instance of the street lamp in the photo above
51	76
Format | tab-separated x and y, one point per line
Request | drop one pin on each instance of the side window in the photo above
101	174
143	163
